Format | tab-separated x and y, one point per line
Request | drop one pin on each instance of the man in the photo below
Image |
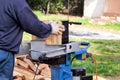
16	17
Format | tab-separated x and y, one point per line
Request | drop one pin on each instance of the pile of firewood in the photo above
26	69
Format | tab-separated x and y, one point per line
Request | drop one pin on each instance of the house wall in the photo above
94	8
112	8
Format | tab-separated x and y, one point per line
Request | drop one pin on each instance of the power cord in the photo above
73	58
93	61
95	64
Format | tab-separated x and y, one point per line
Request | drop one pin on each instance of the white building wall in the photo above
94	8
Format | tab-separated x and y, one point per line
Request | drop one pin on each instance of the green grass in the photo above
103	46
110	26
107	54
107	65
48	17
115	26
85	21
26	37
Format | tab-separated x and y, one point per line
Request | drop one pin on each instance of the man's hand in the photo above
57	27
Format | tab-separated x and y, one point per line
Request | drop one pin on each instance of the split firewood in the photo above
44	79
25	69
22	63
45	70
53	39
29	75
21	56
18	76
32	66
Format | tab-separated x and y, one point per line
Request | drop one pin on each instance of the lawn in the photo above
107	52
84	21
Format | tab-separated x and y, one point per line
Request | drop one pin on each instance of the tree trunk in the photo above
48	7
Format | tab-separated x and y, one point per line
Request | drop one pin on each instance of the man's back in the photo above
9	27
16	17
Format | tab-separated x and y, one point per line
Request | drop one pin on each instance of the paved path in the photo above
91	33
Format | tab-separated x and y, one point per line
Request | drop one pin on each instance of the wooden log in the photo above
45	79
15	73
21	56
22	63
42	66
32	66
54	39
34	37
27	73
17	77
45	71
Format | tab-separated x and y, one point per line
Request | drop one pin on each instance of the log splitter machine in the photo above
59	57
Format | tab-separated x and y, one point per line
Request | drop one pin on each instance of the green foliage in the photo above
56	6
46	6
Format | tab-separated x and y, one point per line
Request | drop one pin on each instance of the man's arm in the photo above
31	24
29	21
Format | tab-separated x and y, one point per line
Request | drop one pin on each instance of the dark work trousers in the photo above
6	65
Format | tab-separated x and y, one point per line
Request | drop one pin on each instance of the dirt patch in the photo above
113	78
107	78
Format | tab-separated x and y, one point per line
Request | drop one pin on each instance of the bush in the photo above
46	6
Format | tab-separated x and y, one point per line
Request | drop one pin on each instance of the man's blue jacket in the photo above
16	17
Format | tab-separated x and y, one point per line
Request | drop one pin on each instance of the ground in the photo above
89	32
107	78
93	33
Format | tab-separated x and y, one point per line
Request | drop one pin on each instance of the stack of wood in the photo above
26	69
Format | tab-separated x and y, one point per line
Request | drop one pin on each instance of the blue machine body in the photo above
63	71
